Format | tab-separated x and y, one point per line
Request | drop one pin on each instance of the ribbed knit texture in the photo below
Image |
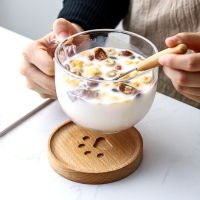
94	14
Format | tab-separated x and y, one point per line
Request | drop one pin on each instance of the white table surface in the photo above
170	169
12	83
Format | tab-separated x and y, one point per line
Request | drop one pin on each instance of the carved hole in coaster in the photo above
86	138
100	155
81	145
87	153
102	143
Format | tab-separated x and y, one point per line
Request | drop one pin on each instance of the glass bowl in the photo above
86	108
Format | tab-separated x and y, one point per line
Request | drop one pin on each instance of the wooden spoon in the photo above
152	61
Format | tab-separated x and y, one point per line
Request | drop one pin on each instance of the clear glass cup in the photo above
85	108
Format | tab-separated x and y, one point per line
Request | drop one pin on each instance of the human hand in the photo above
38	65
184	70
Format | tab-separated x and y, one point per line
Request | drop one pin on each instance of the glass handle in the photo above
52	47
69	48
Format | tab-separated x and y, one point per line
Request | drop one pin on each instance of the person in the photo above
178	21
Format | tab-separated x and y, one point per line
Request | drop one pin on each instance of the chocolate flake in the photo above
127	53
88	93
100	54
94	83
82	94
72	96
127	89
91	57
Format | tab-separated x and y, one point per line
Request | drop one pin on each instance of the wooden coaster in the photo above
84	156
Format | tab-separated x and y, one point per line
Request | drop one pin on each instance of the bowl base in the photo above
87	157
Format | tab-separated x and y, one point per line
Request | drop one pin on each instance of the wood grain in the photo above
152	61
84	156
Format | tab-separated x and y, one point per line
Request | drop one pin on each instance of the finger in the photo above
172	41
193	97
182	78
192	40
187	90
36	54
34	86
46	40
63	29
46	96
32	72
187	62
49	44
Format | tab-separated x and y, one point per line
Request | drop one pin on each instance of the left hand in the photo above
184	70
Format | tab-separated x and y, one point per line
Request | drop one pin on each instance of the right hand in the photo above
38	65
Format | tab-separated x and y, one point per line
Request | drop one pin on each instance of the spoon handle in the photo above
152	61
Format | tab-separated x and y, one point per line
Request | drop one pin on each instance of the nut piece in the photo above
119	54
116	84
86	53
65	77
77	70
105	85
74	82
101	94
136	84
118	67
127	53
140	58
100	54
134	73
88	64
109	62
126	100
66	66
91	57
93	71
93	83
127	89
128	62
76	63
110	51
113	98
110	73
146	79
123	77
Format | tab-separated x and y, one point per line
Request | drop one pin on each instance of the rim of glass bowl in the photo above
105	30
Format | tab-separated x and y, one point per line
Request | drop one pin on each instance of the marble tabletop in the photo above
14	93
170	168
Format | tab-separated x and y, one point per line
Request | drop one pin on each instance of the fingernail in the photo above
62	36
162	60
176	39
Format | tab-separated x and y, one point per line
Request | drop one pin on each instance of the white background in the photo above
30	18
